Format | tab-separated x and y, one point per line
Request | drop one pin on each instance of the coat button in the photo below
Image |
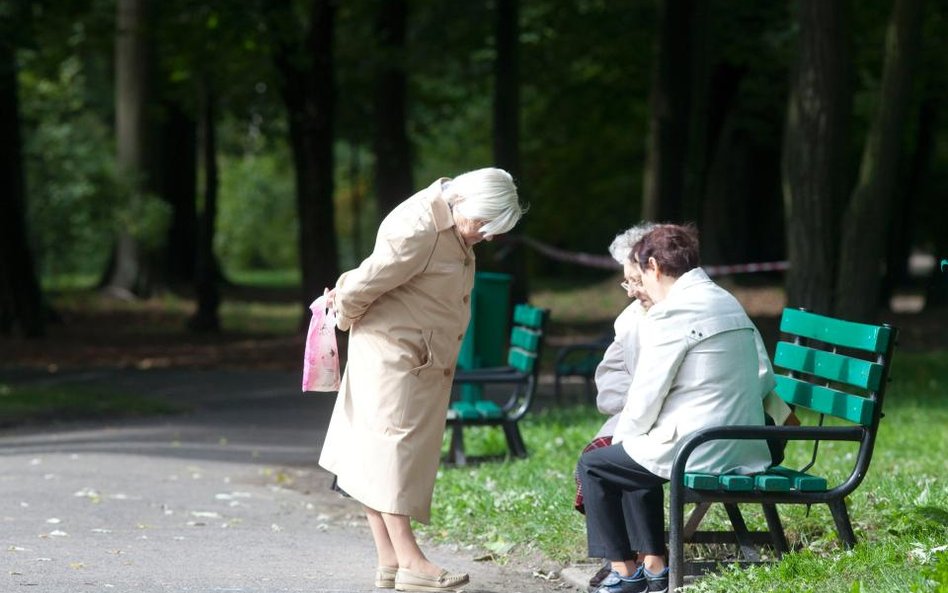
461	337
447	372
467	262
466	298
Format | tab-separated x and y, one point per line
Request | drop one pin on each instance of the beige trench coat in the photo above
406	308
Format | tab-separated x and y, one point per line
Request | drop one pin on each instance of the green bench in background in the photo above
521	373
579	360
835	368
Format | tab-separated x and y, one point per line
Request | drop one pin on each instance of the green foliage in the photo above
257	224
900	512
69	168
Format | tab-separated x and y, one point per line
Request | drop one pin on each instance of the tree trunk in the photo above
308	90
814	153
903	217
866	221
177	179
393	153
506	128
669	107
129	274
205	318
725	221
21	308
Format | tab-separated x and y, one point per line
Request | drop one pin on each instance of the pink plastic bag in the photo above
321	359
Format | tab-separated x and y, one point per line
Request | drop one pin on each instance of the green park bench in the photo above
579	360
836	368
521	374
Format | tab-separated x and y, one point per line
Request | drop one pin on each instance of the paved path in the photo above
225	498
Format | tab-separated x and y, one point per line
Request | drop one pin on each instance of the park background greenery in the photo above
586	71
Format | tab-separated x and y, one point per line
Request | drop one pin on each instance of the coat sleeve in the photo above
661	354
614	373
398	256
612	380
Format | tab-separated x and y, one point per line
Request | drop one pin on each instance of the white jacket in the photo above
699	365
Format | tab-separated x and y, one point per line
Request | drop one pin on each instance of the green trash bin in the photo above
486	339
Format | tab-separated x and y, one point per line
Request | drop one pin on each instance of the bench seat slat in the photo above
828	365
776	479
801	481
825	400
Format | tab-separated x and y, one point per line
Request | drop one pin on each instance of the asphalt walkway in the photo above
224	498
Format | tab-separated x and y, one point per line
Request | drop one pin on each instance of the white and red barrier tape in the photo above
607	263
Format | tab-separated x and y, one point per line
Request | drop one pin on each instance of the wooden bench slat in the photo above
527	339
848	334
772	483
520	359
801	481
529	316
828	365
700	481
825	400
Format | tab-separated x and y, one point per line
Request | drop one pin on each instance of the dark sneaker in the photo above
657	583
619	584
600	575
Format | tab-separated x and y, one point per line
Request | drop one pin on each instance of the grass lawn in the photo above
900	512
30	405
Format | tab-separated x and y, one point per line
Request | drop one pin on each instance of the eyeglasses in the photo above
627	286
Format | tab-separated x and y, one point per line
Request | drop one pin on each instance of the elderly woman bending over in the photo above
697	366
406	308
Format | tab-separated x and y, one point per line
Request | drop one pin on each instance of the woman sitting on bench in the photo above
697	366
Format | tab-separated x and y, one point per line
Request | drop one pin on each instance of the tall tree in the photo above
205	318
177	185
20	298
506	124
669	106
866	221
130	272
814	152
393	154
305	62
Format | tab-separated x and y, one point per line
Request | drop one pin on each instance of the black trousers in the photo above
625	505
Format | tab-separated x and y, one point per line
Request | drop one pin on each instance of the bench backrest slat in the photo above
528	316
825	400
848	334
520	359
528	339
829	365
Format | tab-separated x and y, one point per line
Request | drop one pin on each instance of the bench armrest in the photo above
790	433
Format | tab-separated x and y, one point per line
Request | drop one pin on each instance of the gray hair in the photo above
621	247
487	194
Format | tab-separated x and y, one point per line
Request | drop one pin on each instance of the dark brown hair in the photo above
674	247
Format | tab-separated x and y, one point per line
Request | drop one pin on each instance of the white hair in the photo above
621	247
487	194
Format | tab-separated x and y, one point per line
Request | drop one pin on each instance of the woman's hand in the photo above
330	298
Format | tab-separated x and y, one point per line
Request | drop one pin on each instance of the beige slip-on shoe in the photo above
385	577
406	580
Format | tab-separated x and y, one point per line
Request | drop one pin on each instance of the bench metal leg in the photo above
694	519
514	439
740	530
777	535
456	450
843	526
676	546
